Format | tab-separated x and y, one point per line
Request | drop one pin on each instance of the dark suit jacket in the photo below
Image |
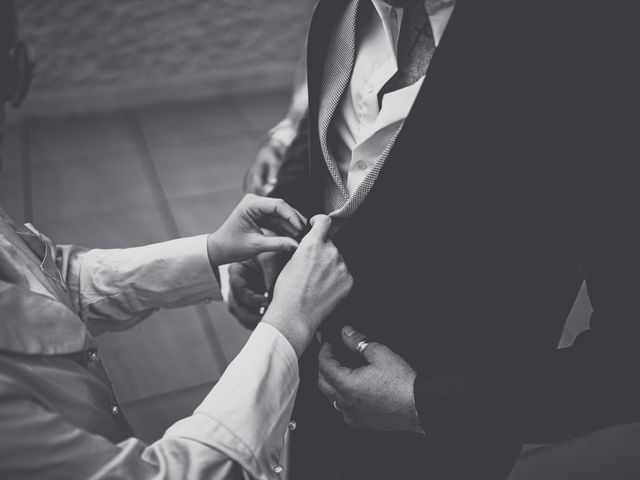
516	176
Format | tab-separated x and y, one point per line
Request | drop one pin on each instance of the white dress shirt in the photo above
363	128
246	415
57	416
244	418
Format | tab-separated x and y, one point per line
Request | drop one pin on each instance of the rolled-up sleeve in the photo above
236	433
116	288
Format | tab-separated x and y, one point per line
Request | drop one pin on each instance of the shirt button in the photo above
115	410
92	355
361	165
292	425
278	469
368	88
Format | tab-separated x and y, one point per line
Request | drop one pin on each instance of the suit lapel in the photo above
438	98
335	78
332	45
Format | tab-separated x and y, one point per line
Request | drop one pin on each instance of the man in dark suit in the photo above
480	160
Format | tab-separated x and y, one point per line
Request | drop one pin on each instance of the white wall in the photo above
101	55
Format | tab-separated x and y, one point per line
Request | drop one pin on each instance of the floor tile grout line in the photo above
174	232
209	385
245	116
27	183
212	335
143	204
255	134
151	173
218	136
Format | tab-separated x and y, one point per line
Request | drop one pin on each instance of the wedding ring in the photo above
263	309
362	346
335	405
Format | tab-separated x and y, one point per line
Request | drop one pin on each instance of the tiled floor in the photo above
135	177
147	175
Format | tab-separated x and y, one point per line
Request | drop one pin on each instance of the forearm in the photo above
117	288
297	333
248	411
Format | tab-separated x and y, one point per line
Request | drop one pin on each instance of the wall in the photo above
106	55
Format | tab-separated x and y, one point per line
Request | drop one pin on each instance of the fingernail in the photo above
348	331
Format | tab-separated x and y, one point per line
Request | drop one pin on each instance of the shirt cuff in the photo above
284	132
135	280
247	413
225	285
187	267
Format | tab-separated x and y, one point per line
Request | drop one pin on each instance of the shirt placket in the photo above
366	104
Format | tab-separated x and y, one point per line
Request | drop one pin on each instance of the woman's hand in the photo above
241	236
309	287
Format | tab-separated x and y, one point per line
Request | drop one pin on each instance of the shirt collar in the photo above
391	18
36	324
32	319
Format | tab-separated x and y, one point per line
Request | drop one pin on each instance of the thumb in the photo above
266	243
374	353
320	227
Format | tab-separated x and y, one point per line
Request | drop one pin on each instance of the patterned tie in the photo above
416	47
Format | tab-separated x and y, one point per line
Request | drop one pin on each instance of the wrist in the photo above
216	251
291	326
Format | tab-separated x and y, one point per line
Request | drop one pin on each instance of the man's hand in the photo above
378	395
241	236
248	282
262	175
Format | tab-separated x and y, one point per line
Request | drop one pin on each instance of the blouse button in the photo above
92	355
292	425
115	410
278	469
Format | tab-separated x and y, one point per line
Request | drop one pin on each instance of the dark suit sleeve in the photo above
596	382
293	177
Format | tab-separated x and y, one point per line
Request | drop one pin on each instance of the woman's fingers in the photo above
266	243
278	225
262	207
